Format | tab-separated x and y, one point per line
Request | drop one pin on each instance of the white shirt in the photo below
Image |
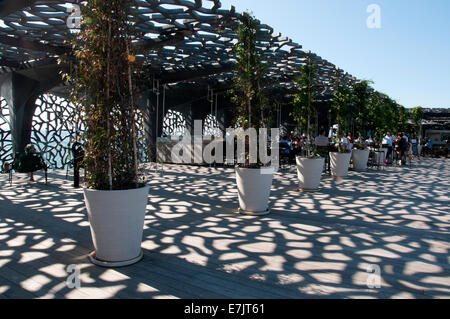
322	141
387	141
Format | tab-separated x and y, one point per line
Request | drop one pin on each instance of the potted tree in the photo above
340	155
254	180
416	116
367	114
103	76
361	100
311	165
360	157
340	158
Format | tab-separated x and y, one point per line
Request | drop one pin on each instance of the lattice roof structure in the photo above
179	40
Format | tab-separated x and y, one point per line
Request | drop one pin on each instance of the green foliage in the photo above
342	104
250	67
403	118
416	116
389	117
319	152
375	115
361	102
338	147
369	110
103	76
381	115
304	111
361	145
249	70
386	115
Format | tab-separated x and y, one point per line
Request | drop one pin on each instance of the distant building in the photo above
436	126
438	119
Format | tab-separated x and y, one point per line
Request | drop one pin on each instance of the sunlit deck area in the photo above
312	245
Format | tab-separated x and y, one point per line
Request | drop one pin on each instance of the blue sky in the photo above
408	58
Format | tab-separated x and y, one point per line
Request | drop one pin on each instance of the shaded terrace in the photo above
196	246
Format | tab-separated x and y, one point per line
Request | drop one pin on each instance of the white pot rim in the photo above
256	169
85	189
309	158
264	167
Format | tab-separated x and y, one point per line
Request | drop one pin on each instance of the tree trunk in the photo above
108	76
133	126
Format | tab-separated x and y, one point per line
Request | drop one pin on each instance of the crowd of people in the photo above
399	146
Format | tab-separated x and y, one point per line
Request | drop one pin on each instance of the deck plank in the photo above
313	245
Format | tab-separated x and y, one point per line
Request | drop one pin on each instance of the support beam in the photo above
21	92
142	47
33	45
192	75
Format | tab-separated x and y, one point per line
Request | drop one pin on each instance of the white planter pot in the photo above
360	159
380	156
254	186
340	163
117	221
310	172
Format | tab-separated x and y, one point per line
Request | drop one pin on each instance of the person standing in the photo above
6	167
403	149
387	143
422	148
322	140
370	142
78	157
415	148
429	147
351	142
344	142
30	149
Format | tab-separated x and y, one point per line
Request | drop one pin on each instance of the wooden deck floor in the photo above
313	245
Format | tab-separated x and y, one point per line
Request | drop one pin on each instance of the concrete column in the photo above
143	103
152	125
21	93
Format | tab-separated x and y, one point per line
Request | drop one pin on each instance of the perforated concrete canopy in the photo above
179	39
